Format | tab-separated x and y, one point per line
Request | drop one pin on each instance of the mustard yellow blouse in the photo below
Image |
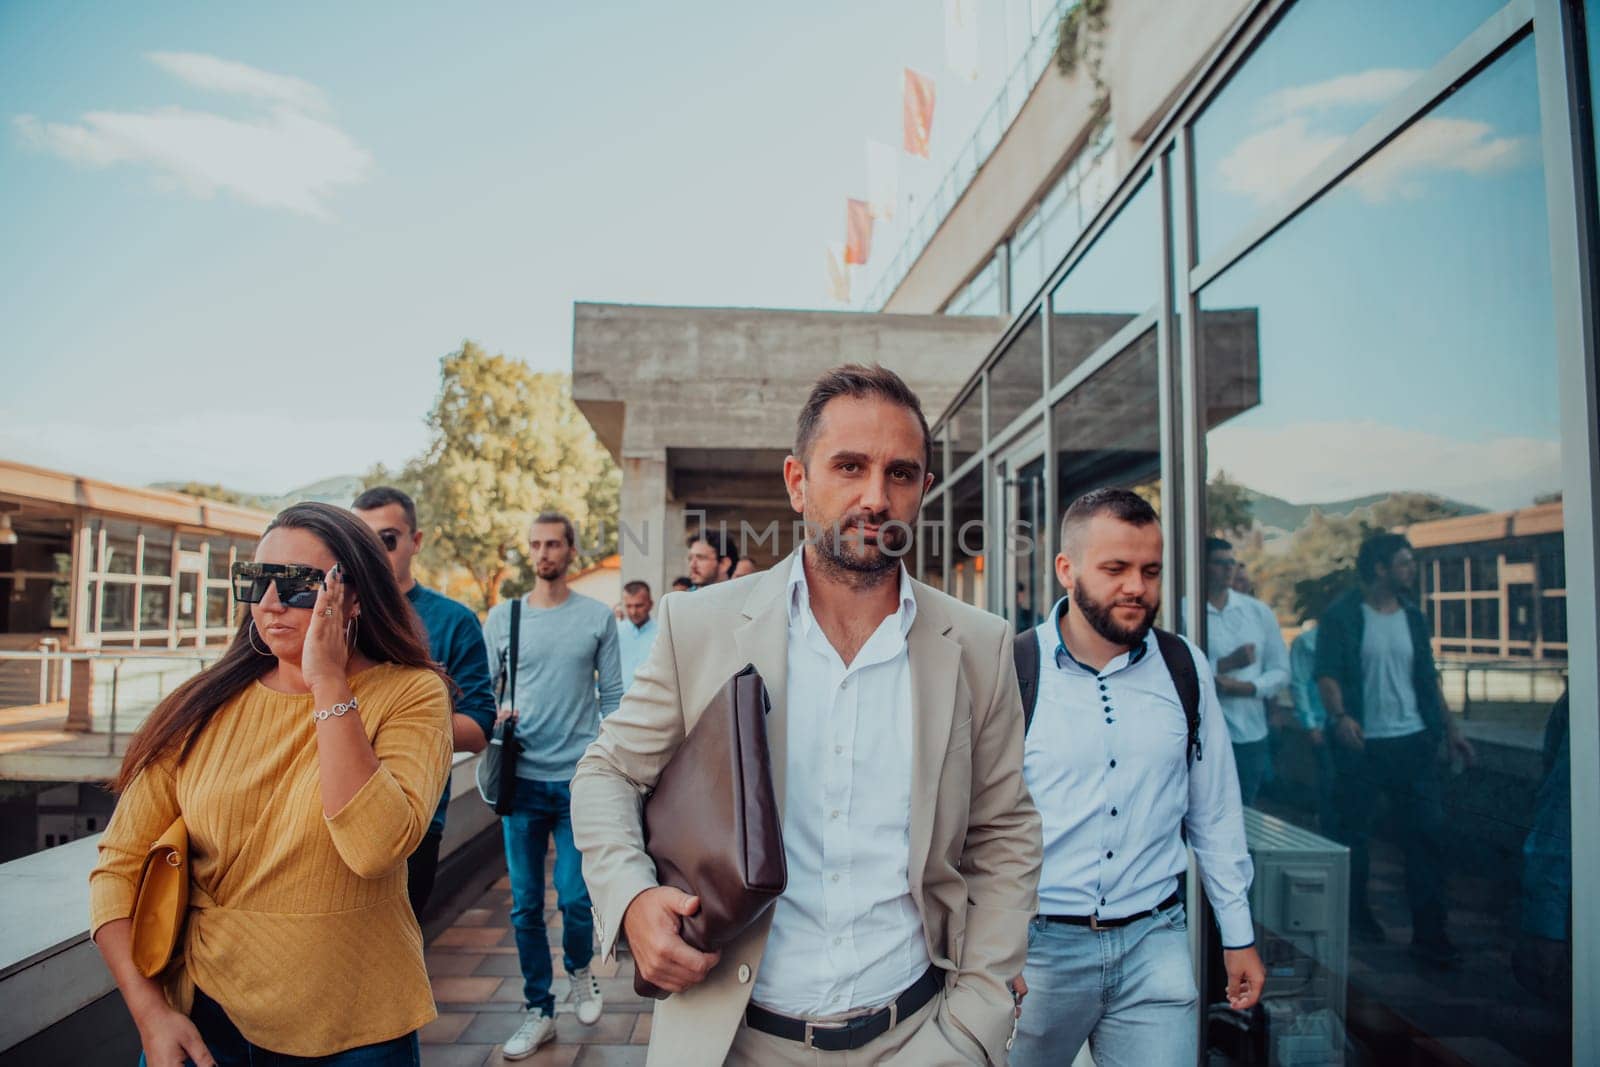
299	925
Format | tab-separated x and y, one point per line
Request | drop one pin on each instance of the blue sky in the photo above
239	239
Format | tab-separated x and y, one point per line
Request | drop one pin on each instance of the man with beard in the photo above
895	734
566	642
1120	772
711	558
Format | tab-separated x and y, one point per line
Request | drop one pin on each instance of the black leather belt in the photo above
1094	922
852	1033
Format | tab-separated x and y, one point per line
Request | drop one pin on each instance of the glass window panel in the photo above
155	604
1485	572
936	464
1028	538
1017	378
1106	429
122	548
1117	280
188	592
217	609
1027	262
157	552
116	612
967	539
1401	369
1326	68
965	428
217	562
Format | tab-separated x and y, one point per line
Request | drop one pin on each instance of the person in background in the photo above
1387	720
569	677
637	632
455	640
1245	647
745	566
711	558
682	584
1313	716
305	763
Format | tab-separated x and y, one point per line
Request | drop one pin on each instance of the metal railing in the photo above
165	670
1014	92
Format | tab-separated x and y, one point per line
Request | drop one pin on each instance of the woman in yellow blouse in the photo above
306	764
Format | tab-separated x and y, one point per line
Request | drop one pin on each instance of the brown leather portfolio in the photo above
712	826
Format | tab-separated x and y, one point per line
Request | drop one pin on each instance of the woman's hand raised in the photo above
325	657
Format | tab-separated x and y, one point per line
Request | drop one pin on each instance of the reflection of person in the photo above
895	735
711	559
637	632
1241	583
1314	717
1108	955
1386	716
1542	960
455	640
305	763
1246	650
566	643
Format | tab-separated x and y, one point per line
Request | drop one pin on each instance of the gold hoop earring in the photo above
250	632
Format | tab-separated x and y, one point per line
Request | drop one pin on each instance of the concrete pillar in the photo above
80	705
647	533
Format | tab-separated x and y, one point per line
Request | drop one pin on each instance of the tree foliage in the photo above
505	444
1228	511
221	493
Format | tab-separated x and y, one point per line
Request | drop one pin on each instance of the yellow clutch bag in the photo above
162	901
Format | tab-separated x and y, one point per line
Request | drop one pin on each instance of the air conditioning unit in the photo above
1300	901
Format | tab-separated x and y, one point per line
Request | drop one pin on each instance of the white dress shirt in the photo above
846	933
1244	620
1106	760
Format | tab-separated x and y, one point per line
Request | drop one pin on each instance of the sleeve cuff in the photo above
1233	923
366	831
608	912
110	898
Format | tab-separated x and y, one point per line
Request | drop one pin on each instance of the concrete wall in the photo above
708	396
1152	50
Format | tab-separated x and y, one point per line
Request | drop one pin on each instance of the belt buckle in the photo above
1094	923
811	1026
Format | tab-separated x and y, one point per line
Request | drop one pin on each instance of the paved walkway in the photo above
478	987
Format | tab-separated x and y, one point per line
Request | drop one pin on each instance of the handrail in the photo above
974	153
56	684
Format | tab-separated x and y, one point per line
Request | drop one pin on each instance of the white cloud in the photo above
1435	145
1364	87
1265	164
292	157
1319	462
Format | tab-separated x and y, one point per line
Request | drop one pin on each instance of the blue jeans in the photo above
1253	759
1128	991
230	1049
543	810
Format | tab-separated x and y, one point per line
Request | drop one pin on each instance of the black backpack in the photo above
1180	665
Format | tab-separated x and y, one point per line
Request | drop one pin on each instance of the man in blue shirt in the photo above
1107	758
638	630
568	678
455	641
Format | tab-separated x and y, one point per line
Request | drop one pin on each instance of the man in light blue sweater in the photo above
568	677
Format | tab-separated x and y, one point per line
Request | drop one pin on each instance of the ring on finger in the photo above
327	611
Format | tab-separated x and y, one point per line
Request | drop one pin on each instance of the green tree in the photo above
506	443
1228	512
213	491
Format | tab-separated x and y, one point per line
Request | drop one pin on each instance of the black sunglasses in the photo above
298	585
390	539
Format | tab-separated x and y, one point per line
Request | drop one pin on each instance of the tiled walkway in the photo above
478	988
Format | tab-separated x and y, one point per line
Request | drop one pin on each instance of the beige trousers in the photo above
927	1038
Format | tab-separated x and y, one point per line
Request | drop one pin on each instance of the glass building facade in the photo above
1347	287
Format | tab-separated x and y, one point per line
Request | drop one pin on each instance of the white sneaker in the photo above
586	996
537	1029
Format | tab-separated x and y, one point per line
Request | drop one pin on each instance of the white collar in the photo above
799	594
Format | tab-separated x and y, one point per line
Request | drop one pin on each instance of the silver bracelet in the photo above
337	709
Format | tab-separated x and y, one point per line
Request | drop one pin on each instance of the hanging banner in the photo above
961	38
858	232
838	276
917	113
883	179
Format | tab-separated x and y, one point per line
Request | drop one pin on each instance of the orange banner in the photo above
858	232
917	113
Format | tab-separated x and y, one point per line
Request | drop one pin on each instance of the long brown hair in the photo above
389	632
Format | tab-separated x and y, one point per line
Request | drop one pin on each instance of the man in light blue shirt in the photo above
1251	665
637	632
1109	761
568	678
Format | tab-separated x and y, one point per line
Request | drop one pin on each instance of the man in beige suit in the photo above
913	848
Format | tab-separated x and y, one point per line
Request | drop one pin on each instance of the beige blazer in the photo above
975	837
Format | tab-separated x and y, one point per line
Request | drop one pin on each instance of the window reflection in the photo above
967	540
1116	281
965	428
1382	373
1106	431
1322	72
1015	379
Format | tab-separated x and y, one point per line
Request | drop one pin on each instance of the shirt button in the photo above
1113	763
838	941
834	814
1102	901
838	750
836	878
1113	811
1108	720
1108	854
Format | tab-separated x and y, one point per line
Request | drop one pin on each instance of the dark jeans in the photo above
543	811
230	1049
1406	770
1253	760
420	871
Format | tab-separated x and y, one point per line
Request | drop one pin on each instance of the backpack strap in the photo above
1025	650
512	649
1186	680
